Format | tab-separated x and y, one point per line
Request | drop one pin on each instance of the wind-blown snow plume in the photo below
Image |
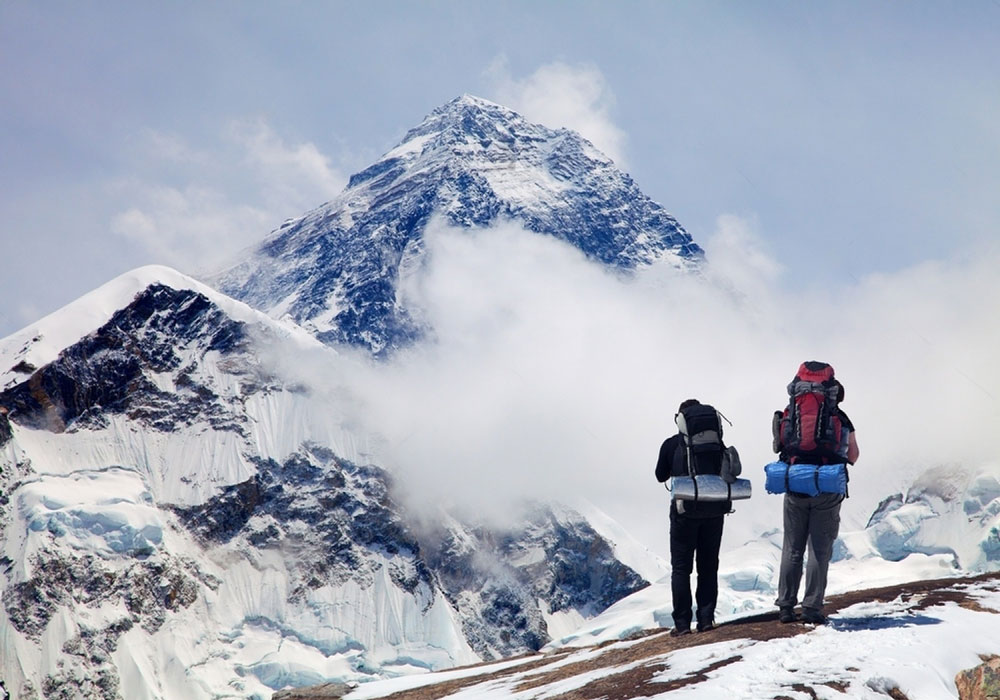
577	97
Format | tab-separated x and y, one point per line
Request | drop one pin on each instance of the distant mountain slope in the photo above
179	520
39	343
336	270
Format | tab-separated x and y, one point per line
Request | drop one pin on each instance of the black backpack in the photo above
701	434
704	452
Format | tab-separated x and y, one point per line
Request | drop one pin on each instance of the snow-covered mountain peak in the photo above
168	499
337	269
39	343
471	124
465	114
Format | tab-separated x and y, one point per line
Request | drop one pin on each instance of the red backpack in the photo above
810	429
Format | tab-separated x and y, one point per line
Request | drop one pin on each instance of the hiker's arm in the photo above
665	462
852	448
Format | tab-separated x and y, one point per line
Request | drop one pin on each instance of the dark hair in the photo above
840	392
688	404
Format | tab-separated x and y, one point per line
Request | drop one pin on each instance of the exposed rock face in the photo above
5	432
113	370
148	589
144	592
981	682
346	521
496	578
336	513
337	269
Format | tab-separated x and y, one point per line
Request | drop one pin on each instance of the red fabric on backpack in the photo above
811	430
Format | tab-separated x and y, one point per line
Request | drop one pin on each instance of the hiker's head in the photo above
840	391
688	403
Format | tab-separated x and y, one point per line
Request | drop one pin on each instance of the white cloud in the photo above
295	176
740	258
192	228
549	377
557	94
170	148
195	207
922	344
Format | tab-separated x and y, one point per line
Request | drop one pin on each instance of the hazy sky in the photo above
852	137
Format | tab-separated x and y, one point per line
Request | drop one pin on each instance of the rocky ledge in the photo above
624	670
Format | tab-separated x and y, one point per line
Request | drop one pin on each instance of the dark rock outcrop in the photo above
110	370
147	590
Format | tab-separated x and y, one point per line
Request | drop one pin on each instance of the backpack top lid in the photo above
813	371
811	427
699	424
814	377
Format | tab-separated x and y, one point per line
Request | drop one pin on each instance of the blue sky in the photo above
852	138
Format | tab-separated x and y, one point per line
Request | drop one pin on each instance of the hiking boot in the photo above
813	617
680	631
706	625
786	615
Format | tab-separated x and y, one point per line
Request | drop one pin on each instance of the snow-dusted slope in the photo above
40	342
337	270
915	641
179	520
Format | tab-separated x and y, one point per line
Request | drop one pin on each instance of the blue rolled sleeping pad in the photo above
807	479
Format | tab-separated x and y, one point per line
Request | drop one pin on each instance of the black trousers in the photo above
694	539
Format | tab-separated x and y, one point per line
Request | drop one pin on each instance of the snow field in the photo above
867	651
871	648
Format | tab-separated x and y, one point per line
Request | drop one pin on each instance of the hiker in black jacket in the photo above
695	534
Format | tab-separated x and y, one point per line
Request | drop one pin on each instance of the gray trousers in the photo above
814	521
